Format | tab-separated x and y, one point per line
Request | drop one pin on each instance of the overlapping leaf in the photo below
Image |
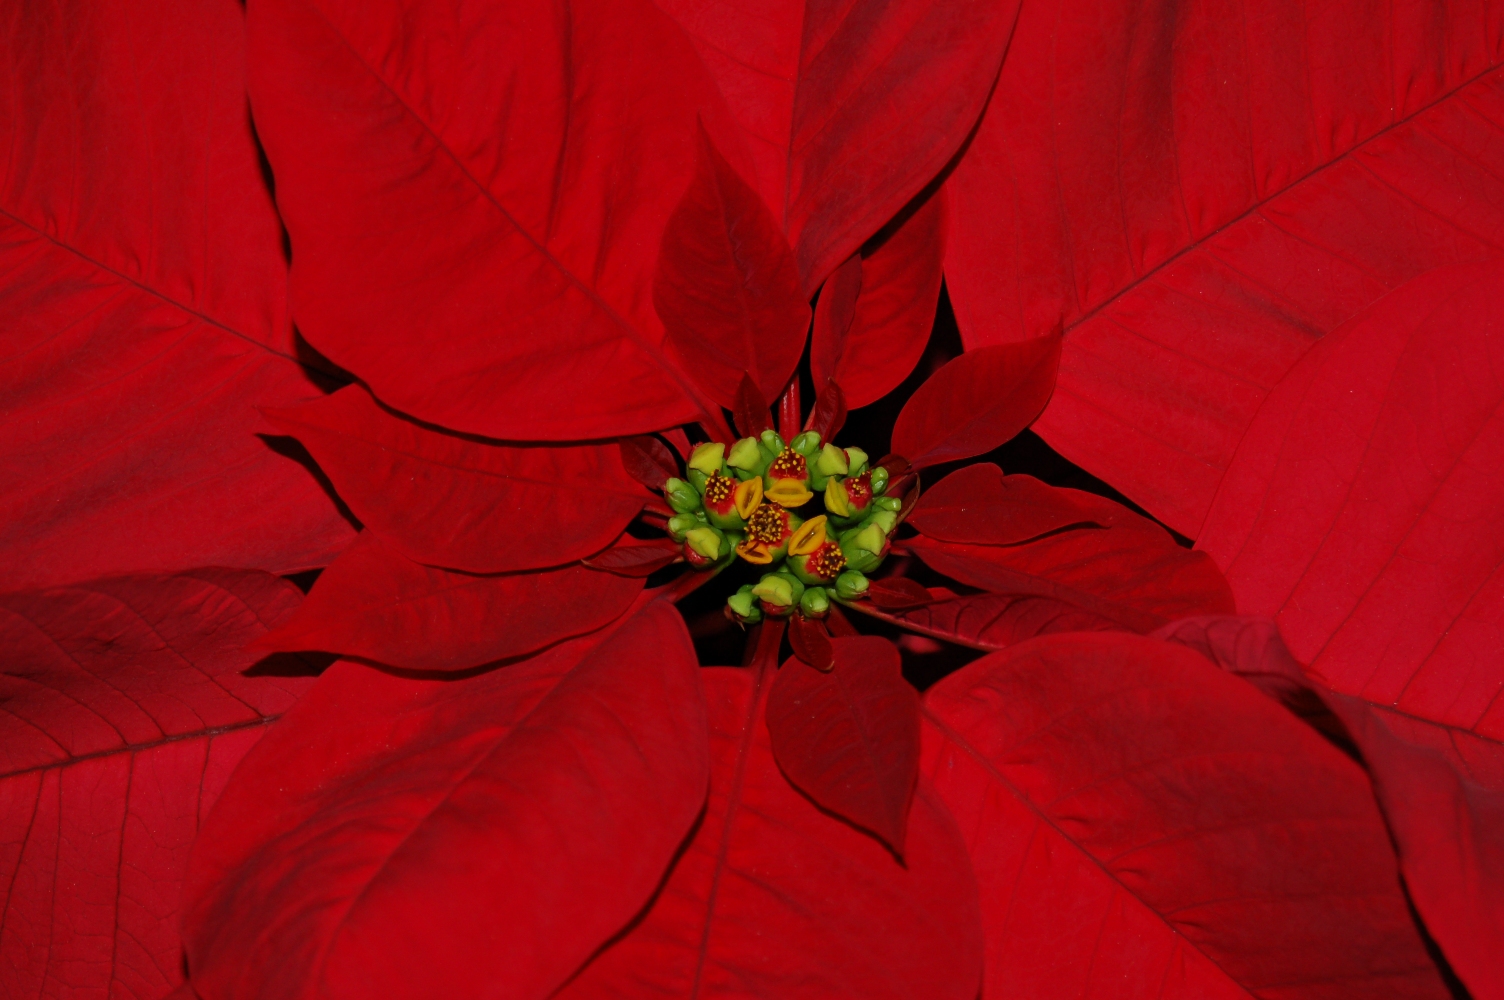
991	621
979	504
1199	194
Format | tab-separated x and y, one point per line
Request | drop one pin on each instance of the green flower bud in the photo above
857	459
870	538
771	442
779	592
681	525
806	444
879	481
681	496
884	519
746	456
698	478
743	605
863	546
705	542
888	503
850	584
814	603
708	457
832	461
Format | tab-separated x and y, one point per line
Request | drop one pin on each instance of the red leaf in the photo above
648	460
636	557
374	604
829	414
143	290
123	709
453	501
1129	571
402	838
991	621
726	287
1197	204
1441	790
751	411
848	109
456	175
849	737
811	642
979	504
676	437
897	593
789	410
1144	825
876	312
976	402
773	898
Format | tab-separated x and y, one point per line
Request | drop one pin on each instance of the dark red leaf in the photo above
1130	570
829	413
474	217
726	287
838	625
771	897
374	604
977	402
876	311
680	441
789	410
636	557
848	737
849	110
143	295
811	642
403	838
454	501
991	621
1143	825
751	413
897	593
1200	202
123	709
648	460
979	504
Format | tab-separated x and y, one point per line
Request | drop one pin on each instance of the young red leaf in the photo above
981	505
648	460
897	593
990	621
375	604
977	402
1143	825
417	838
143	290
771	897
124	710
453	501
726	286
848	737
1198	204
829	413
1129	570
875	314
789	410
849	110
474	218
630	556
811	642
751	412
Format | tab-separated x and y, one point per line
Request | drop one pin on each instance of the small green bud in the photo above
814	603
681	496
850	584
745	456
888	503
706	542
743	605
807	443
879	481
680	525
771	441
832	461
870	538
857	459
698	478
779	590
884	519
708	457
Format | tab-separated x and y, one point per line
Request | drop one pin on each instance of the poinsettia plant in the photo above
400	465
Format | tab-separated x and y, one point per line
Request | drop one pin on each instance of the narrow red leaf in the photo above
990	621
839	625
1200	204
143	289
977	401
1143	825
871	328
374	604
454	501
897	593
401	838
123	709
680	441
648	460
1129	571
811	642
751	413
829	413
726	287
630	556
789	410
771	897
979	504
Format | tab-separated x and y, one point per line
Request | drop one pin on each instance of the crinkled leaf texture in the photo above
476	196
1144	825
773	898
848	110
463	503
417	838
123	709
143	290
1200	193
374	604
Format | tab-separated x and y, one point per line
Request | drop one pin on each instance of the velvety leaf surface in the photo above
454	501
848	737
123	709
979	504
848	110
1129	571
976	402
374	604
875	313
476	196
727	288
630	556
1143	825
402	838
773	898
991	621
1362	510
1200	193
143	290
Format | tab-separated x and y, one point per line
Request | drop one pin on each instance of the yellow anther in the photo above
748	496
837	500
809	537
789	493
